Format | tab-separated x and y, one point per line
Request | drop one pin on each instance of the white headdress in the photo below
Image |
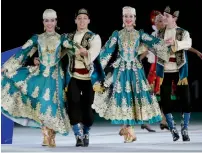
159	17
129	10
49	14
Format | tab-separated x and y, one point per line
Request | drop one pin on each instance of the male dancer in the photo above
83	73
176	69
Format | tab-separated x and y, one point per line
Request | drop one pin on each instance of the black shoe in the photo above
164	126
79	141
86	140
185	136
175	134
144	126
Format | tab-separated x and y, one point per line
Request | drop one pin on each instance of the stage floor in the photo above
104	138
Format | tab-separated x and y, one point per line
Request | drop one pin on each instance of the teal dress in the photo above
34	95
127	99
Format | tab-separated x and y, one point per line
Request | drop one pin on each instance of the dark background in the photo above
22	19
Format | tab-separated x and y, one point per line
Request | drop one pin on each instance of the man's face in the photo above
168	19
82	21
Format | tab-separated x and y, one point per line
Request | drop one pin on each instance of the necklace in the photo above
49	41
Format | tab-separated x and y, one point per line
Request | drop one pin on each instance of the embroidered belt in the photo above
172	59
81	71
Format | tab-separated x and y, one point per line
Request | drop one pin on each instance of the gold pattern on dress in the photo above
24	88
128	65
105	60
12	65
32	68
25	110
64	96
162	50
54	74
113	42
144	86
27	44
118	88
128	39
108	80
66	44
61	73
137	88
35	93
55	97
128	87
32	51
49	44
124	105
142	48
47	95
50	51
146	37
46	71
19	83
116	63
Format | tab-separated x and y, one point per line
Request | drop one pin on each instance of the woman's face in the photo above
50	24
129	19
159	24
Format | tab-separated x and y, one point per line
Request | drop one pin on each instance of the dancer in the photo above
153	79
176	69
34	95
127	99
83	74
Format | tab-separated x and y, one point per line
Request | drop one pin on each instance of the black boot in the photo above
184	126
79	141
86	130
171	125
185	136
78	132
164	126
147	127
175	134
86	140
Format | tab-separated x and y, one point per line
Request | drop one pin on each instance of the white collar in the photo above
82	31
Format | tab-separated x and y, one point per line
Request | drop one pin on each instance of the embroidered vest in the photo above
181	56
180	59
84	43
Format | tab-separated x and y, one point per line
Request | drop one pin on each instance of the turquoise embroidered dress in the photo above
34	96
127	99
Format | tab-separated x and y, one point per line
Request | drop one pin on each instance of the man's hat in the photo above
82	11
172	12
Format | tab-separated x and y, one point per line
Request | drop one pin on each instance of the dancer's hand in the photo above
199	55
170	41
98	88
83	52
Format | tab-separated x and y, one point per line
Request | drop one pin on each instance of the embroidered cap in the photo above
171	12
82	11
49	14
129	10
